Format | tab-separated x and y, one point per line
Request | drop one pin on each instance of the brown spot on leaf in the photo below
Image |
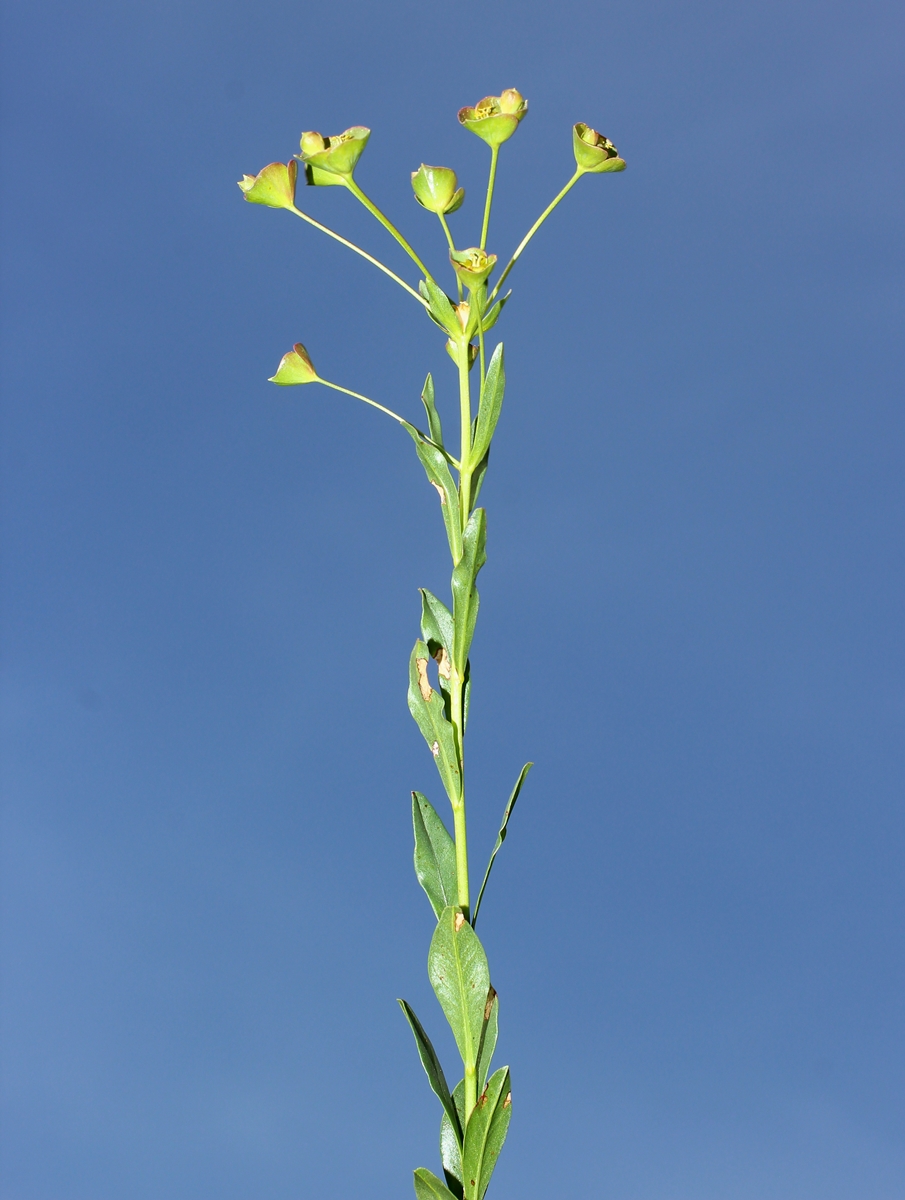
441	490
424	686
435	749
508	1100
488	1007
444	669
459	922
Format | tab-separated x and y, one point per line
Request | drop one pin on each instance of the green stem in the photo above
467	467
452	246
389	412
358	250
386	223
533	230
494	155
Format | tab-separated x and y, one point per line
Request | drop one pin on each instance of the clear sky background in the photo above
692	612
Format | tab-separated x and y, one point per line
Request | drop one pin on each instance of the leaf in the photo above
440	307
464	591
485	1134
489	1034
435	855
429	1187
478	477
436	623
433	417
501	836
450	1147
458	971
493	313
435	464
490	404
426	706
432	1067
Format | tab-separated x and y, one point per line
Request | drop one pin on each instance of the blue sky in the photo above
691	614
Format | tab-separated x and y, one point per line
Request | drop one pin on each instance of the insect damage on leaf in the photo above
443	663
424	683
435	749
459	922
441	490
488	1007
508	1100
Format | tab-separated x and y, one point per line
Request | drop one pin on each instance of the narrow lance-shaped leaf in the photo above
464	590
435	855
458	971
432	1068
450	1147
435	464
429	1187
489	1034
433	417
491	402
440	307
426	706
438	631
501	836
485	1134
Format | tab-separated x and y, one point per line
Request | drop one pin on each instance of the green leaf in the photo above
450	1147
436	623
426	706
478	478
433	417
489	1035
485	1134
464	591
458	971
429	1187
493	313
440	308
491	402
432	1067
435	855
501	836
435	464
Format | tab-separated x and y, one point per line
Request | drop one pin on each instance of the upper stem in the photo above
533	230
494	155
386	223
358	250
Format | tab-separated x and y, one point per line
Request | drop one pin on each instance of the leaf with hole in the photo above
427	707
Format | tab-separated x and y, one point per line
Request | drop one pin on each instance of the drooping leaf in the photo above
491	402
501	836
458	971
489	1034
485	1134
427	707
432	1068
435	855
433	417
464	589
429	1187
450	1147
436	467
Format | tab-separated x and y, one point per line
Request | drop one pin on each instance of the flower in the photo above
594	152
436	189
472	266
332	160
274	186
295	367
495	118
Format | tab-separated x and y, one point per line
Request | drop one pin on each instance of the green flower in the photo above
274	186
594	152
436	189
495	118
295	367
472	266
332	160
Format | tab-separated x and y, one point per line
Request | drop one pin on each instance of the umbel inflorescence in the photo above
475	1113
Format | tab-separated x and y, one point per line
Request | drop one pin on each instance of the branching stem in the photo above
532	231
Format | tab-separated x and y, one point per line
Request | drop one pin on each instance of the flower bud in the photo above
594	152
495	118
472	266
436	189
333	155
295	367
274	186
